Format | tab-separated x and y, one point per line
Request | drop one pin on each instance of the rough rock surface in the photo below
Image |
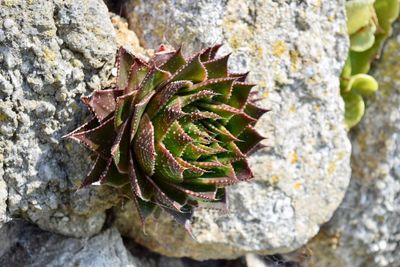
26	245
295	51
365	230
49	56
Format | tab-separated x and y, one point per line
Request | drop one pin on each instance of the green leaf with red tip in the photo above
161	57
176	62
209	53
138	111
217	68
140	186
193	71
95	172
176	139
197	134
209	195
240	77
238	123
167	167
254	111
165	118
240	94
206	95
250	138
123	108
120	149
111	176
223	110
242	170
190	169
221	86
102	102
223	133
150	83
138	72
124	63
98	139
162	97
143	145
162	198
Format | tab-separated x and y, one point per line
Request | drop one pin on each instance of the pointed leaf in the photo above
150	83
112	177
254	111
217	68
238	123
123	108
239	96
176	62
137	73
176	139
98	139
143	146
102	102
139	184
223	110
242	170
120	148
162	97
95	172
250	138
138	111
124	62
168	169
165	118
193	71
240	77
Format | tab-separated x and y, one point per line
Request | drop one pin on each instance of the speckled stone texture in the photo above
51	53
295	51
365	231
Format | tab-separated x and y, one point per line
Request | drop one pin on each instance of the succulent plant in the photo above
368	25
173	132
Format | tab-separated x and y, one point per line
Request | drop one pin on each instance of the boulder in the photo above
295	51
51	53
365	229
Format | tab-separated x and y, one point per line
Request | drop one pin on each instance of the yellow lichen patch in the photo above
3	117
49	55
317	107
331	167
9	3
275	179
294	158
297	185
279	48
340	155
265	94
292	108
1	158
294	60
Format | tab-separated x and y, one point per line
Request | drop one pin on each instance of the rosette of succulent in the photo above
173	132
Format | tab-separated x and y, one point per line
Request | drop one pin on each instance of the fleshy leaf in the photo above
95	172
193	71
217	68
240	93
124	63
144	148
167	167
102	102
251	138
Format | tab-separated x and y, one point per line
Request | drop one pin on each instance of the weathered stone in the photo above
365	229
51	52
26	245
295	51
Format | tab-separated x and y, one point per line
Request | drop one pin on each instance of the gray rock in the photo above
51	53
26	245
367	224
295	51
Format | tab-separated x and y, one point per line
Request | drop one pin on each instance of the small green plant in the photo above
173	132
368	25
